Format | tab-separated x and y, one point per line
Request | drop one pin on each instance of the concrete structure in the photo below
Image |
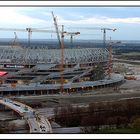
40	89
37	123
37	71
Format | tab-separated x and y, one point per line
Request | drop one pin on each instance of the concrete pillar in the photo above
82	89
1	93
26	93
47	91
67	91
70	90
34	92
18	92
10	93
41	92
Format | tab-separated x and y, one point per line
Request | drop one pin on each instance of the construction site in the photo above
38	71
47	77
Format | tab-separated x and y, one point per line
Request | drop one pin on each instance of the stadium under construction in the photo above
39	71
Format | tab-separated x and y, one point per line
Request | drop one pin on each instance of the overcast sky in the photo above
125	19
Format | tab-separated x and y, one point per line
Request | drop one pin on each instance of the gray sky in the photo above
125	19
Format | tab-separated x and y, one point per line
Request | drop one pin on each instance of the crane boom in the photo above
56	27
71	36
12	29
94	28
61	43
27	29
62	61
99	28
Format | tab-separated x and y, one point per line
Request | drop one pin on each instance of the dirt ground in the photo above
129	89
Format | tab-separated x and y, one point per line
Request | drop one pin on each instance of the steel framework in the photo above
78	55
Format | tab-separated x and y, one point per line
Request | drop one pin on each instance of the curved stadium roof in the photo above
79	55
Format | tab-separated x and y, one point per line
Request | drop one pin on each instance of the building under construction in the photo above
29	71
39	71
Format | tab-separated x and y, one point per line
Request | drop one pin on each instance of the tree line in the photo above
117	114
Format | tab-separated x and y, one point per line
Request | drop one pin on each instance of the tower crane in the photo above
110	62
61	43
104	35
64	32
29	30
71	36
99	28
12	29
62	61
14	42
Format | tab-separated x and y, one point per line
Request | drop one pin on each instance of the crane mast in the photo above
15	41
62	61
61	43
71	36
104	38
104	35
29	30
110	61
